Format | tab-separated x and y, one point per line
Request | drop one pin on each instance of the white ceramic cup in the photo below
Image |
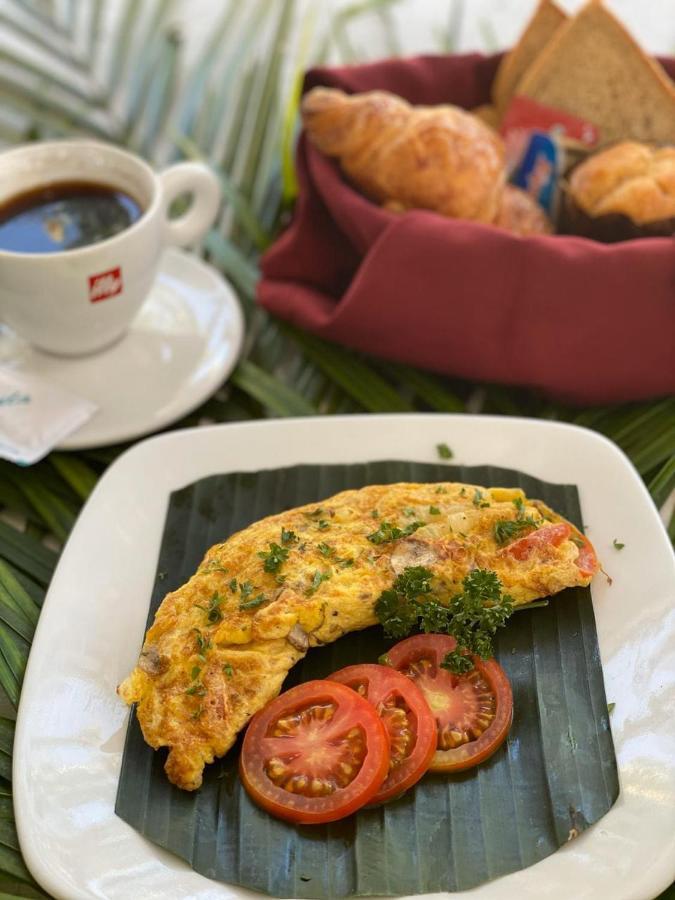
78	301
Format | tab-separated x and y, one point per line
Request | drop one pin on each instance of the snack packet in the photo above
36	415
541	143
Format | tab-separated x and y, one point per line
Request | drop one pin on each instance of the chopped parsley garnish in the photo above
462	493
408	511
325	549
618	545
317	580
197	689
577	540
478	499
274	557
228	670
245	589
203	644
441	490
610	708
251	604
384	659
233	585
434	511
472	616
444	452
345	563
198	712
312	514
213	612
195	672
323	525
288	537
375	514
388	532
506	530
212	566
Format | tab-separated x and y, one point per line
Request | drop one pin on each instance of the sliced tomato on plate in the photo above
315	753
554	535
406	715
473	711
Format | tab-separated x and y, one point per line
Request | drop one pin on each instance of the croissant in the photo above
521	214
425	157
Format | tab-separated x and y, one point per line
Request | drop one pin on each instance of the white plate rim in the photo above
433	427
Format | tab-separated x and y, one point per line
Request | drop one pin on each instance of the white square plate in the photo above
71	725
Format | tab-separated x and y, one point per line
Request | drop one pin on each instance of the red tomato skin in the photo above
382	682
435	647
465	758
315	810
586	561
549	534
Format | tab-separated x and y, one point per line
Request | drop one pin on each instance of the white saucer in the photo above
180	347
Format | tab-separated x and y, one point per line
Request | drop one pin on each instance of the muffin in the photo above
624	192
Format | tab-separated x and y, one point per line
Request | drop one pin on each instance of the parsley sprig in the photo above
506	530
288	537
274	557
317	581
213	611
212	566
471	616
245	599
388	532
203	644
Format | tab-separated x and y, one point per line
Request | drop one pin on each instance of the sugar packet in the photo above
35	415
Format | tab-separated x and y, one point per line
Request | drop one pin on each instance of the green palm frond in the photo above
118	72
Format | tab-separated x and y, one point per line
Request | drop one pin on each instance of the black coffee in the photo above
64	216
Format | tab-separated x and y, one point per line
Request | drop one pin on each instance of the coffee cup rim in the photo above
86	144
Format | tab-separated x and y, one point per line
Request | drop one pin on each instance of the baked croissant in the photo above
425	157
522	215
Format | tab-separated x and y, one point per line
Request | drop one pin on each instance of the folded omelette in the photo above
221	645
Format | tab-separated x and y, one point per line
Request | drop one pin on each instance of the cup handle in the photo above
199	181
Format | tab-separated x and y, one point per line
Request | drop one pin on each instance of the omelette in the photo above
221	645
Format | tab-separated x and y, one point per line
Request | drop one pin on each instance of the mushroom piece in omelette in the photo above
221	645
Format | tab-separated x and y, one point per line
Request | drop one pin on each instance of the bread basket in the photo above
581	321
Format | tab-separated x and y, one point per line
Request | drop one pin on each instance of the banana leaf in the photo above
555	776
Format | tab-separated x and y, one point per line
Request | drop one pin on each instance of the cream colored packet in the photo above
36	415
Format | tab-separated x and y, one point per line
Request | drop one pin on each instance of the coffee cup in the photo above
78	301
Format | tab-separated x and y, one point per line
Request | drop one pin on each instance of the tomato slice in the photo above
473	712
554	535
406	716
587	561
315	753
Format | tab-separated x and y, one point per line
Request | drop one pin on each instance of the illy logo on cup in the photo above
105	284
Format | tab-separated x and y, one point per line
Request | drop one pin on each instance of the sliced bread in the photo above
594	69
546	20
